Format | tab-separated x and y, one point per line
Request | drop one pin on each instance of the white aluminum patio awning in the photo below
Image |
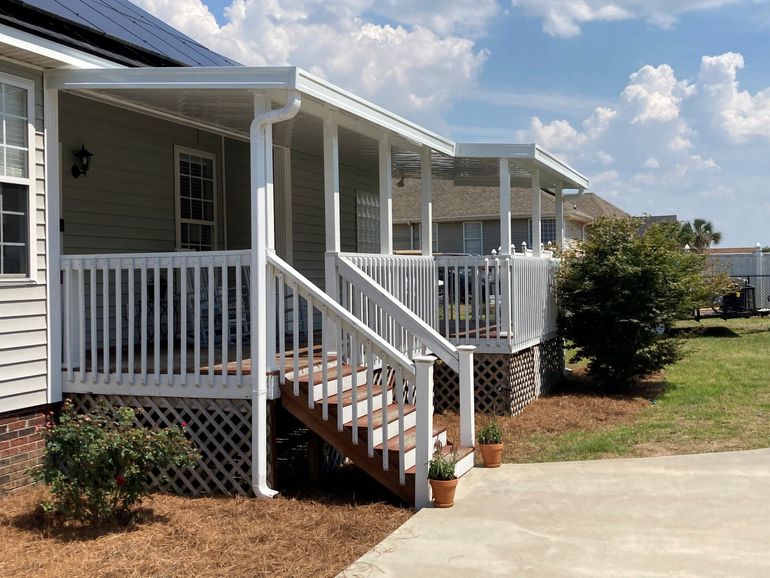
220	99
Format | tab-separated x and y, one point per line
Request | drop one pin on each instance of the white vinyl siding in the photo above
473	238
23	319
196	199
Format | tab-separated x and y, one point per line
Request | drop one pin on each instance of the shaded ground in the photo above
316	535
716	398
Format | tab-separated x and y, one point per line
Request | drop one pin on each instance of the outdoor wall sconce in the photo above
82	162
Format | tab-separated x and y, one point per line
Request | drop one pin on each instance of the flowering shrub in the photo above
98	464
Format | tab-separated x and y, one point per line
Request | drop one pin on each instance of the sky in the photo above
663	104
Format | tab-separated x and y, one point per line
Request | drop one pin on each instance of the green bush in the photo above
619	294
98	464
442	467
490	434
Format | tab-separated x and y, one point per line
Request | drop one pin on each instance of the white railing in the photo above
533	310
156	323
498	302
471	299
377	307
412	280
389	373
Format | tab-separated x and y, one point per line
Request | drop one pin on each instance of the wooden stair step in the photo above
362	392
410	439
331	374
447	449
377	415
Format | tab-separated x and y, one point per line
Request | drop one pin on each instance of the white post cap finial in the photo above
687	247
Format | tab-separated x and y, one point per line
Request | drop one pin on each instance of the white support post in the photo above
332	215
536	212
559	200
426	218
386	197
504	328
53	240
260	151
467	399
424	433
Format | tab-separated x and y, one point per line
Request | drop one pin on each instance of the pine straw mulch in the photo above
196	537
577	404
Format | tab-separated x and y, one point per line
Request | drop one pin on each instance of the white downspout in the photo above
260	138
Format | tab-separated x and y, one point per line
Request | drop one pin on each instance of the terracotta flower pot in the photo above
492	454
443	492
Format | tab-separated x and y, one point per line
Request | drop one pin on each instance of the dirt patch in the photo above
576	405
205	537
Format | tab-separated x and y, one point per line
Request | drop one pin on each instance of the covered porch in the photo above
269	257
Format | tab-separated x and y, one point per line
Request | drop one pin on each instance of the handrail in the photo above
437	344
343	314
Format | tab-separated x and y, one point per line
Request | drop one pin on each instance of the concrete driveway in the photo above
702	515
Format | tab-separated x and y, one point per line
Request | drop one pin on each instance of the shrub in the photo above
490	434
442	467
621	291
98	464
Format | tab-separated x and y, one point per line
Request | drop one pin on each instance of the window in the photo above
196	199
417	237
16	134
547	231
473	242
367	222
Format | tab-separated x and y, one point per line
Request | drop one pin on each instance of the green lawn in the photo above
716	398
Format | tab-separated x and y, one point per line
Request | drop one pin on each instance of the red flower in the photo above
184	424
120	480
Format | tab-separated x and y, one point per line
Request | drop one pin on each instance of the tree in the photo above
619	294
699	234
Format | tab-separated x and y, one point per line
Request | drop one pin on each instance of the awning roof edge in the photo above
335	98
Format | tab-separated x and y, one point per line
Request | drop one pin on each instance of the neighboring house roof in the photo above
462	203
650	220
114	29
730	250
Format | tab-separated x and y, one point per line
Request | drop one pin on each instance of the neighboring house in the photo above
650	220
748	263
466	219
226	254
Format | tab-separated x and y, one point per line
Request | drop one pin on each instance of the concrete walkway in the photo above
702	515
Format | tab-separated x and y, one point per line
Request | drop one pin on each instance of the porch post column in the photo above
426	215
331	203
260	157
536	210
386	196
559	200
505	327
505	208
54	242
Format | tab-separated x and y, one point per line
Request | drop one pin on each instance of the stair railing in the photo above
348	339
382	312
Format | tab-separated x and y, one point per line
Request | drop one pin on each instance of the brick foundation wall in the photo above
21	447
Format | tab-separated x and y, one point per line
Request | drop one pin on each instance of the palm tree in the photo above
704	234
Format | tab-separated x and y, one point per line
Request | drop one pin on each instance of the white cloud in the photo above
415	66
564	18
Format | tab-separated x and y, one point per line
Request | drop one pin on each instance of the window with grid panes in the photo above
473	242
547	231
196	185
15	179
367	222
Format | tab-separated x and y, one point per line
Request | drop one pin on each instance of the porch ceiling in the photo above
222	99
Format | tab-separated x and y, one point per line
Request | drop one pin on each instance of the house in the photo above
466	217
213	243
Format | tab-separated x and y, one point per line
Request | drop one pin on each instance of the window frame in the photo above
179	150
542	238
378	241
480	237
30	276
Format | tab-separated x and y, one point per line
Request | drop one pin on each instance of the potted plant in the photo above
442	478
490	440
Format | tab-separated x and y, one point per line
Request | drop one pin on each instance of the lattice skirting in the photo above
219	428
505	383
